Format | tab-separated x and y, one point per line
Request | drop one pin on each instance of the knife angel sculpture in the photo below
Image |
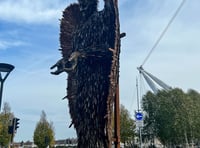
90	46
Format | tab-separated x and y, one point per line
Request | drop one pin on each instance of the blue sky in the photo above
29	39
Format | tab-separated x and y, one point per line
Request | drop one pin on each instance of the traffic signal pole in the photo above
13	133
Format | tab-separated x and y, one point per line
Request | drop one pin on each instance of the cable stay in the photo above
152	81
164	31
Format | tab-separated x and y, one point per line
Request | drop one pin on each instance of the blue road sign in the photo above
139	116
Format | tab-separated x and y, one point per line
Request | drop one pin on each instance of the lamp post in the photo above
4	68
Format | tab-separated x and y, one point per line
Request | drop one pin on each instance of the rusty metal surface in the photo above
90	46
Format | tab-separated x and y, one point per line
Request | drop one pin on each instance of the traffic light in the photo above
10	129
16	123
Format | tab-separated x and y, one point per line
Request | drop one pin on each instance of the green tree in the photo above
44	132
127	127
193	115
173	116
150	107
5	118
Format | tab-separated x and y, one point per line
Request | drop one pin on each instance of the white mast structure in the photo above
152	81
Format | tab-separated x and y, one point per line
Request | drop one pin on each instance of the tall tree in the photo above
127	127
44	132
5	120
193	115
173	116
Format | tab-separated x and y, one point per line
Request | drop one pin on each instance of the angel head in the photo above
88	7
87	4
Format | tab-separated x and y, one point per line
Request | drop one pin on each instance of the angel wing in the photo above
69	22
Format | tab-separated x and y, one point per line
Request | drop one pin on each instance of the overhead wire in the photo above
164	31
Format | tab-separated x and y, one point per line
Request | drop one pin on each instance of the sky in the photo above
29	40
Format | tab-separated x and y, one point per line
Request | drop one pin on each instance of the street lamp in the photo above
4	68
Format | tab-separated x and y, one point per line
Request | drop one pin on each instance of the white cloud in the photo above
3	45
7	44
29	11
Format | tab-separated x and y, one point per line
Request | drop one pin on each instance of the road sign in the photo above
139	123
139	116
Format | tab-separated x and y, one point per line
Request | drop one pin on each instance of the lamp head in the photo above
6	67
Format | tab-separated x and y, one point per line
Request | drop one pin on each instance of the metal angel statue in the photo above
90	46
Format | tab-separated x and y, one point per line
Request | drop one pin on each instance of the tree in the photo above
5	118
164	115
44	132
127	127
173	116
193	115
